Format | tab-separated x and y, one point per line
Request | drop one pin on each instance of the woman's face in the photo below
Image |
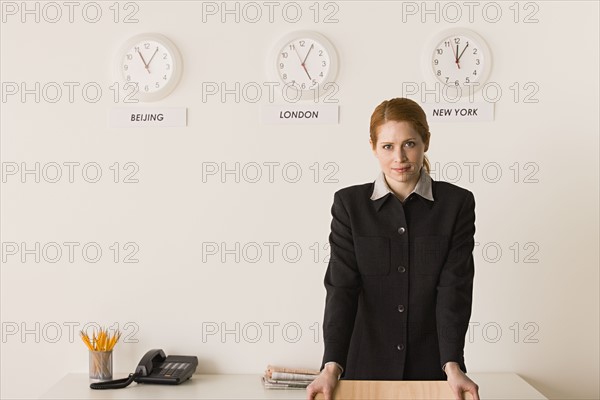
400	151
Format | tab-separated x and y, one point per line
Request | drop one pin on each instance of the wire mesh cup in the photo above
101	366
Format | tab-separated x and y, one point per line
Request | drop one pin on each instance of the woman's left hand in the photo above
459	382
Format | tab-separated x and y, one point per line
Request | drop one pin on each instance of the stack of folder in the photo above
288	378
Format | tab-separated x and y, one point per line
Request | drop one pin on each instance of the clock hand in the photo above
144	61
151	58
305	70
455	57
463	52
307	53
302	62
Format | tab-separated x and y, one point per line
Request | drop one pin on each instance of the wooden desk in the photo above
503	386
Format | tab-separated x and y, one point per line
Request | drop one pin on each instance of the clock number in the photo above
137	49
324	63
128	78
439	72
477	62
456	83
320	53
475	72
284	54
436	62
302	42
314	82
457	41
321	74
129	57
168	66
126	67
281	65
165	77
157	85
467	80
475	50
146	88
146	46
440	51
292	46
284	77
447	78
164	56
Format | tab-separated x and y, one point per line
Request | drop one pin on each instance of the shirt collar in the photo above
422	188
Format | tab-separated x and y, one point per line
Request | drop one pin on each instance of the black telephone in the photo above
155	367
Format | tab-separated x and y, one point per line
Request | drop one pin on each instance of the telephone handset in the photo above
155	367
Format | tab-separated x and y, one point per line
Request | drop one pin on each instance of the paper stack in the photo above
288	378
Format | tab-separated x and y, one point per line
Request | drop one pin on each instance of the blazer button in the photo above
401	230
400	347
401	269
400	308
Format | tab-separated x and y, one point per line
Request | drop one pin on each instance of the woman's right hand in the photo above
324	383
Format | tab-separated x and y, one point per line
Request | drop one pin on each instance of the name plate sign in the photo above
294	114
145	117
459	112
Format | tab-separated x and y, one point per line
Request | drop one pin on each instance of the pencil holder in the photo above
101	366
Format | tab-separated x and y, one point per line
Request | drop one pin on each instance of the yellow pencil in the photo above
101	340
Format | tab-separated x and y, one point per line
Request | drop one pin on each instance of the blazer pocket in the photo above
430	254
373	255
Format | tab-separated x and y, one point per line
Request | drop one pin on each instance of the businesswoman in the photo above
400	278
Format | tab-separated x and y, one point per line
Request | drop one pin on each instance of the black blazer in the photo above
399	282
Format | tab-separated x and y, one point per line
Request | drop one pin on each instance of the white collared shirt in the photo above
422	188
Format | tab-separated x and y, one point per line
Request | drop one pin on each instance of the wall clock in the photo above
152	62
458	58
307	61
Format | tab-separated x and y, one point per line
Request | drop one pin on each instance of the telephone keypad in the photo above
173	370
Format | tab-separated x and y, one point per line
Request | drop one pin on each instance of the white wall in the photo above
547	312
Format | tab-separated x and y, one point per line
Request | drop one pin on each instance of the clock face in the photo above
460	59
151	62
306	61
303	63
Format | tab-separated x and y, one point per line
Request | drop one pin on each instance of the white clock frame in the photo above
430	49
309	93
177	67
